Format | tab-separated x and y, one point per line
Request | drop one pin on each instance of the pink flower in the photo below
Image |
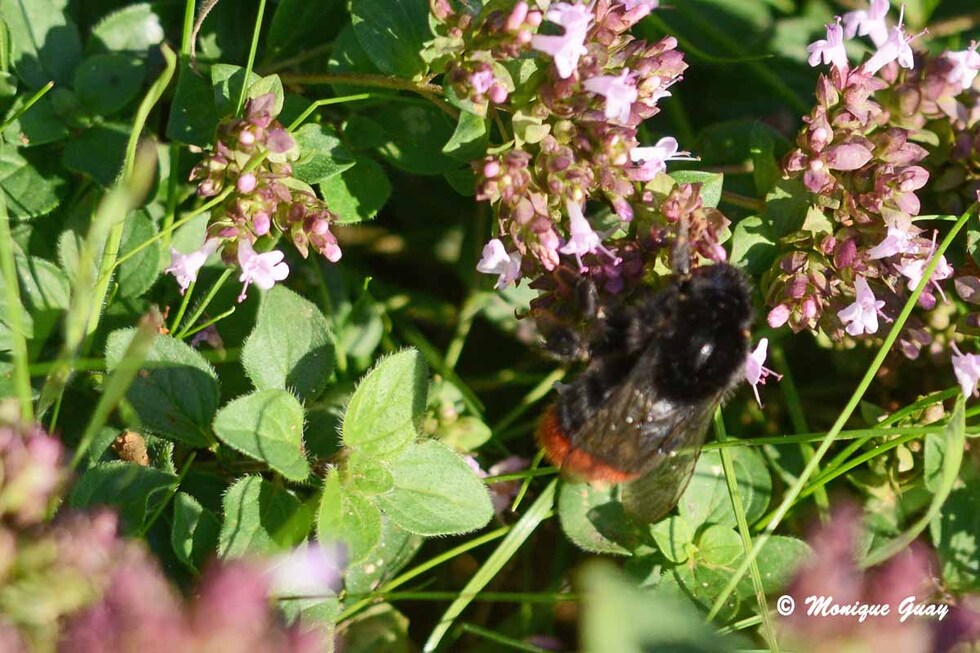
830	50
481	80
915	268
654	159
649	5
755	371
967	370
896	46
779	316
310	570
583	238
861	316
868	23
496	260
246	183
966	64
264	270
898	241
185	267
568	47
501	494
619	91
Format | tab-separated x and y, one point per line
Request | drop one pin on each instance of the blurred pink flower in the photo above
895	47
755	370
653	159
566	48
185	267
496	260
966	65
264	270
310	570
830	50
861	316
868	23
898	241
966	367
584	239
620	93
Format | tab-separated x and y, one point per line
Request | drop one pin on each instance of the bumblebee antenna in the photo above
680	258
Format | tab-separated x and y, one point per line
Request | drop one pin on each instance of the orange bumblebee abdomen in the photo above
575	462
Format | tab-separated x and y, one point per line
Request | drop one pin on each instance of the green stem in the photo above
27	105
768	629
186	467
323	103
15	316
204	326
521	531
431	92
418	570
798	418
183	307
251	57
467	313
845	415
111	251
199	310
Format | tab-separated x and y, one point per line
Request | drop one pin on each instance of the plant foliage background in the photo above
257	394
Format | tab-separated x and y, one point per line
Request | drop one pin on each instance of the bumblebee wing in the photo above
636	428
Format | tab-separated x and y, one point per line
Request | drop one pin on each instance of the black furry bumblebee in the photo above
658	368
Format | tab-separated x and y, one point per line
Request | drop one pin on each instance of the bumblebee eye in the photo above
704	354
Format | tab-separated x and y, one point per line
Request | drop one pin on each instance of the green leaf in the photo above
415	135
711	184
349	518
719	546
392	33
380	418
44	42
193	115
227	81
463	181
322	155
753	249
394	550
955	532
595	520
435	492
40	125
786	208
618	616
706	500
29	191
268	426
106	83
176	394
778	562
290	347
140	272
379	628
298	22
347	56
98	152
673	536
258	519
135	28
358	193
133	490
766	171
470	139
195	534
368	475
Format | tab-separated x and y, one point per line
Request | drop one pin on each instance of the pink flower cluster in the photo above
574	120
75	584
252	156
860	253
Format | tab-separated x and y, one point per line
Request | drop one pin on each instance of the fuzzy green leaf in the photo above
435	492
266	425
